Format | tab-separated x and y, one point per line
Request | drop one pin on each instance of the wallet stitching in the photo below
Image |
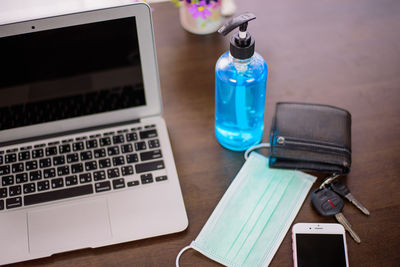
314	105
310	145
345	157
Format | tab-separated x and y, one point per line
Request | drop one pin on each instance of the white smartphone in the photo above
319	244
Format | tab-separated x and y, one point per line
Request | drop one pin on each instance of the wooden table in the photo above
343	53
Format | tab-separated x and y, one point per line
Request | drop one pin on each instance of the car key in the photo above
329	204
340	188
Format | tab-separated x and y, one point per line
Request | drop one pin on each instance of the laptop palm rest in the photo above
69	226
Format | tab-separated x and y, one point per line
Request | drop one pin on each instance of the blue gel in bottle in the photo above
240	88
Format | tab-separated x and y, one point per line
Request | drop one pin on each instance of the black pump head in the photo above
242	43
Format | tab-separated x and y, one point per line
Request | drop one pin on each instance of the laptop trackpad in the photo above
68	227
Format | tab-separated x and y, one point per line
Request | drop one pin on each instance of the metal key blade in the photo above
356	203
340	188
343	221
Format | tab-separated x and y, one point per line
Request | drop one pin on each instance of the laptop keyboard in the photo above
84	165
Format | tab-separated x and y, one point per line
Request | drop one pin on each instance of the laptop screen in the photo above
69	72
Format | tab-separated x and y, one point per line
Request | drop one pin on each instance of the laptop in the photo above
85	157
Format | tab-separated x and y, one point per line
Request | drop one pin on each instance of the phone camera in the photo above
33	27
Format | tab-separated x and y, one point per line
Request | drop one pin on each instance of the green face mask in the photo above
252	218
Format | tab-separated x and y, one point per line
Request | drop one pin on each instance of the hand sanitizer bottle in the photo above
240	87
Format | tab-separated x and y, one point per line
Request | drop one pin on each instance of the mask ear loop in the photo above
180	254
251	149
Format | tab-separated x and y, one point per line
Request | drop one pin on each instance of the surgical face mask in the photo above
252	218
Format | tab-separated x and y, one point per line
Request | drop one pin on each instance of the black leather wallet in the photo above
310	137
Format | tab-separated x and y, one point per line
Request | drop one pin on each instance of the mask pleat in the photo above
267	209
267	242
243	202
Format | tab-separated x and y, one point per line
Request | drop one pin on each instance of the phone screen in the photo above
316	250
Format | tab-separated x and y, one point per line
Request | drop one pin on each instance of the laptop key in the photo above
5	169
14	202
59	160
112	151
148	134
29	188
104	163
150	166
132	158
43	185
126	148
127	170
35	175
63	170
91	143
99	153
117	161
118	183
99	175
37	153
31	165
17	167
146	178
154	154
132	183
86	155
14	190
24	155
44	163
71	180
58	194
49	173
51	151
140	146
10	158
75	168
102	186
71	158
1	204
91	165
3	192
105	141
131	137
113	173
85	178
161	178
154	143
7	180
21	178
66	148
78	146
1	159
57	183
118	139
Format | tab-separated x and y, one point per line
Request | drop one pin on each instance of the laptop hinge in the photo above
52	135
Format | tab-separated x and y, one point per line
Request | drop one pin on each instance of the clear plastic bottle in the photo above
240	88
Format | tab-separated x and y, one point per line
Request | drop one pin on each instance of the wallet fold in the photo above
311	137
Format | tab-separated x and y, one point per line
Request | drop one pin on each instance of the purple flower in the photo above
200	9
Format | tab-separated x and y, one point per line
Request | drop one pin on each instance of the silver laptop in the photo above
85	158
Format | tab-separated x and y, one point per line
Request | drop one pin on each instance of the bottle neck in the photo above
240	61
241	65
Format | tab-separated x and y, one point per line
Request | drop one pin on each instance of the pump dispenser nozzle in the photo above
242	43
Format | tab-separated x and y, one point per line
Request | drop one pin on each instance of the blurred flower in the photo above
199	8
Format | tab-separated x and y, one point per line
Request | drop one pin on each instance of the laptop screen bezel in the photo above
153	106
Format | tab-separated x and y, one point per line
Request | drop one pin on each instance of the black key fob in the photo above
326	202
339	187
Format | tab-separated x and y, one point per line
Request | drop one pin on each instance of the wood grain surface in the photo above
344	53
